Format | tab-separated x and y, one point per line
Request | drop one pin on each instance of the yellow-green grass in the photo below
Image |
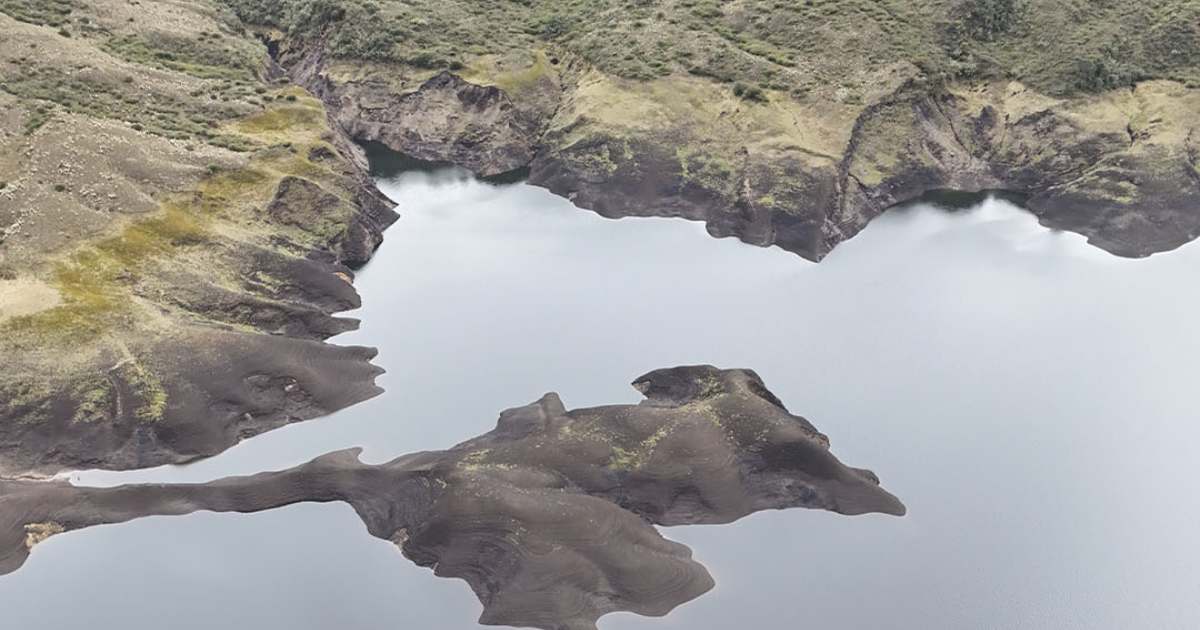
95	281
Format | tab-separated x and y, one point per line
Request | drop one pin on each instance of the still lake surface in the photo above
1033	401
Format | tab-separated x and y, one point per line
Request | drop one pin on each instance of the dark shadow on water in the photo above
951	200
515	176
386	163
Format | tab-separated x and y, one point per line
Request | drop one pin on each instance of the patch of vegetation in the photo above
28	402
282	118
749	92
146	386
239	144
516	80
637	455
1103	70
474	460
96	282
94	396
201	57
174	228
233	186
356	27
91	304
40	12
987	20
708	169
1173	45
1056	46
47	89
37	118
1066	48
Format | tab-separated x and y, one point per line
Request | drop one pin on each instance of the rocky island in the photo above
548	517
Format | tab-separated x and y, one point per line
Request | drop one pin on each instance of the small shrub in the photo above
426	60
551	27
1102	72
749	92
987	20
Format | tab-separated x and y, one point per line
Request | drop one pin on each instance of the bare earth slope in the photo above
791	124
176	230
548	517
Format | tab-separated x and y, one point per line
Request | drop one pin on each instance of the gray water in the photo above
1031	399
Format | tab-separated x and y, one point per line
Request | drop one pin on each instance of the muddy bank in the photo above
549	516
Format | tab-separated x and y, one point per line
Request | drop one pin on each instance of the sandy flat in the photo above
23	297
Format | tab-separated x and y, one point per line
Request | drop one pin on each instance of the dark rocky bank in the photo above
1132	188
550	516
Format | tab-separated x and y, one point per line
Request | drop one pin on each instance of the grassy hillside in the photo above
143	148
838	48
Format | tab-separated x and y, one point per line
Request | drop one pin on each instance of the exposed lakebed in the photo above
1029	397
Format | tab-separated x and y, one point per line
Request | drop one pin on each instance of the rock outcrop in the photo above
549	516
1119	168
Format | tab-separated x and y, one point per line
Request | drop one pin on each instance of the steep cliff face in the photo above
1118	167
445	119
1114	167
178	230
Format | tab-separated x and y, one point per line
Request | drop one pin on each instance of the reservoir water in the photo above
1030	398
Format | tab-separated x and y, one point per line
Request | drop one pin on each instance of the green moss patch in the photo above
40	12
199	57
95	398
94	282
147	389
1057	46
286	118
46	90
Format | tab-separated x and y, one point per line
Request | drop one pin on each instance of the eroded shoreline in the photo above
195	269
550	497
1118	168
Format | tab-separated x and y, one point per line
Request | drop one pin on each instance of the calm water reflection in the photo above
1030	398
